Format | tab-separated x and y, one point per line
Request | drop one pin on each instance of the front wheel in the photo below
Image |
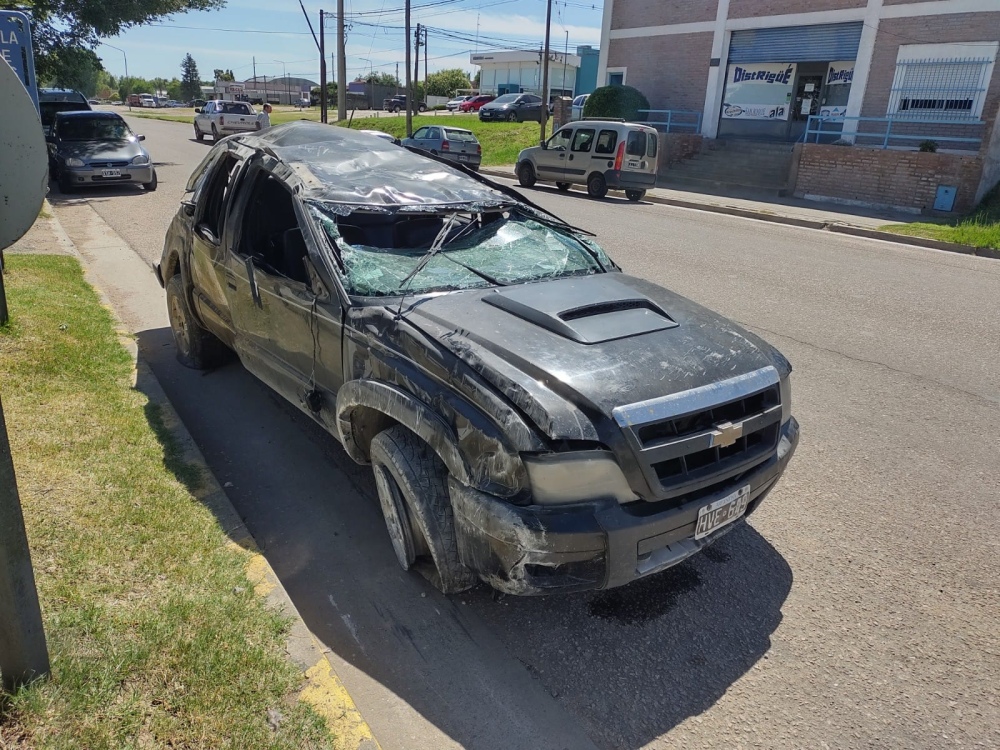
66	183
635	195
395	110
151	185
563	186
512	117
198	135
196	347
597	186
526	175
412	484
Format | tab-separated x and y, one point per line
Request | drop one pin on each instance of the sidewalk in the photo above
111	267
832	217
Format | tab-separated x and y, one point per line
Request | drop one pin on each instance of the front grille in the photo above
700	437
108	164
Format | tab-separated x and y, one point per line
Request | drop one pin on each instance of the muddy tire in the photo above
412	485
563	186
196	347
526	175
597	187
635	195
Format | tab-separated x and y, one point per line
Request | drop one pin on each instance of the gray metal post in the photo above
341	64
543	118
23	653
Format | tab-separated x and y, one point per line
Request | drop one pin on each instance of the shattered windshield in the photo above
378	252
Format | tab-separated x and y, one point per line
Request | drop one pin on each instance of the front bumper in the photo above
538	550
94	175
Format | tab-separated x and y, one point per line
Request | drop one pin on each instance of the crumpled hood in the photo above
91	151
621	340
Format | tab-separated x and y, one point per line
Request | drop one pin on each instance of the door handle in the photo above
571	157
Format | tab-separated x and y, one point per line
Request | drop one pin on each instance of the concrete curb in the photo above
776	218
321	688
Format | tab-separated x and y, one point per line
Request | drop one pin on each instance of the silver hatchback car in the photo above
454	144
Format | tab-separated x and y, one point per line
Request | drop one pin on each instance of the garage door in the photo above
835	41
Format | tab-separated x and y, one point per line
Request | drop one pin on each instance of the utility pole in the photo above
23	653
341	64
411	104
397	78
409	81
322	68
545	69
565	60
425	59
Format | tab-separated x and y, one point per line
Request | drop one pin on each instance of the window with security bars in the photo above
940	89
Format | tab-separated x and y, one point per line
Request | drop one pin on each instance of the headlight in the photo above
141	159
785	388
560	478
74	162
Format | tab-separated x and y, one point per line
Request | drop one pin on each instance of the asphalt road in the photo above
857	609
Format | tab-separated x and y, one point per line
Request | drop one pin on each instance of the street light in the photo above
285	75
126	72
371	84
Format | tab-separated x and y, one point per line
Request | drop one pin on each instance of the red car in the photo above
473	104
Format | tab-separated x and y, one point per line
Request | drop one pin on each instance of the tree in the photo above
380	79
159	86
447	82
331	94
616	101
74	69
190	80
175	90
60	28
224	75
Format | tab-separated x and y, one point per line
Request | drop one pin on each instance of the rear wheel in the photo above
196	347
635	195
215	133
563	186
512	117
198	135
597	186
396	109
526	174
412	485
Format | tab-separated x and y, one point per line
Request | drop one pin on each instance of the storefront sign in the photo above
761	91
840	73
15	49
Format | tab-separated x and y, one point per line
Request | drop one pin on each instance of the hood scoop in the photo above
582	310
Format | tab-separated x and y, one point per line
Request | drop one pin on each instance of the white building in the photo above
521	70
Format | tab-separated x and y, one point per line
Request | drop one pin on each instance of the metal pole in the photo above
4	312
322	69
565	60
409	81
411	104
341	64
425	61
126	72
23	653
543	118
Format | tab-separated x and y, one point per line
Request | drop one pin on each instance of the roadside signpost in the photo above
23	182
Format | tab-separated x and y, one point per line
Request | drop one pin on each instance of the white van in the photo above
601	154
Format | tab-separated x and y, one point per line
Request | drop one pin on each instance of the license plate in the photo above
111	173
462	157
716	515
634	165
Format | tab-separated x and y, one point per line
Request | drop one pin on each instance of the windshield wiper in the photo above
422	263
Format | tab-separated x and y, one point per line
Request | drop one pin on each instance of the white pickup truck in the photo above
219	119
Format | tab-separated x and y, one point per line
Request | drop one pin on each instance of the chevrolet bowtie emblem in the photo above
726	433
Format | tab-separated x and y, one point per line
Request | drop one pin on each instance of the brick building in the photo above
913	70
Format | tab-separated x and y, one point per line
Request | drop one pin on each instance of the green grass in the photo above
501	141
156	636
981	228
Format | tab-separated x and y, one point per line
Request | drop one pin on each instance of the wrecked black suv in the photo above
535	418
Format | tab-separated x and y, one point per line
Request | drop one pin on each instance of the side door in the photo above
418	138
605	150
550	162
287	334
580	152
202	120
433	140
213	193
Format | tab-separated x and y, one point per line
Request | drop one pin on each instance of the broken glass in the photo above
512	249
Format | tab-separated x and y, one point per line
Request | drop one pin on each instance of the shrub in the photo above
929	146
616	101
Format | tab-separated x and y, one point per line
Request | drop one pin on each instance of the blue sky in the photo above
230	38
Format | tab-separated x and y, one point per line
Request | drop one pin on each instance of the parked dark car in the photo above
52	101
513	108
535	418
452	144
398	104
90	149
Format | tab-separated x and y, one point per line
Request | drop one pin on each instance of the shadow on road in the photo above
490	672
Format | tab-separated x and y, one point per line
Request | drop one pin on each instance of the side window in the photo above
421	133
270	234
212	201
583	141
651	142
636	143
606	142
434	134
561	139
